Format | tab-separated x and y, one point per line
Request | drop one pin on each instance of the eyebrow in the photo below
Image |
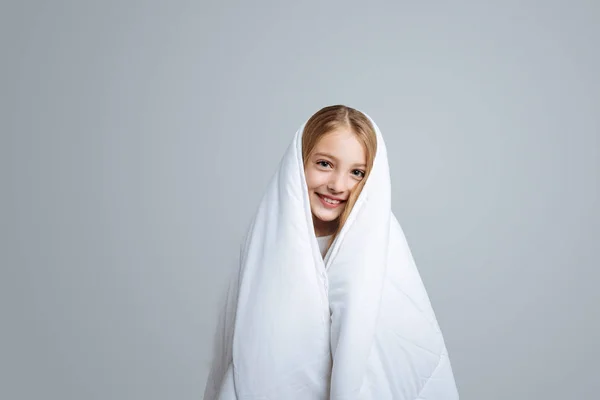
335	159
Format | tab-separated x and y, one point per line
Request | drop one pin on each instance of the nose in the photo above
337	183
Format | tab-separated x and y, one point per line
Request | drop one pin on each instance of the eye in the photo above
323	163
359	173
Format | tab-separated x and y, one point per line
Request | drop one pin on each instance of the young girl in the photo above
327	302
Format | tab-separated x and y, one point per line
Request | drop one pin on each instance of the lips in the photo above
334	202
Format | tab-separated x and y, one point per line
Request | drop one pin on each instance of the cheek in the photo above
352	183
313	178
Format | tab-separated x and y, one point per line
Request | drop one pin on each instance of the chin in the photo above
327	217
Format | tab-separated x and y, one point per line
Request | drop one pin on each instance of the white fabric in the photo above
323	241
356	325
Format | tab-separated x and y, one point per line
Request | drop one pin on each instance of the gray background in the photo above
138	137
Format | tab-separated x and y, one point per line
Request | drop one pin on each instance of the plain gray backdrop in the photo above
138	137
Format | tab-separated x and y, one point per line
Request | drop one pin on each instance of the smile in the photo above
328	202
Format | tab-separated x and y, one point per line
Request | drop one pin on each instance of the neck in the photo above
324	228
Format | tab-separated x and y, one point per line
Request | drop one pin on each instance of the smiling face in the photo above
337	164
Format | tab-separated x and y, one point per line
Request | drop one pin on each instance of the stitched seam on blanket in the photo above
429	379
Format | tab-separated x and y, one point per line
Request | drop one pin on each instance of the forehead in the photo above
342	144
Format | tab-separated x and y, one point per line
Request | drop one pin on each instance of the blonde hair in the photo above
329	119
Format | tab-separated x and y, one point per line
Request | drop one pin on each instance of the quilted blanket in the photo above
357	324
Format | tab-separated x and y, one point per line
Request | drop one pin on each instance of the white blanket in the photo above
357	325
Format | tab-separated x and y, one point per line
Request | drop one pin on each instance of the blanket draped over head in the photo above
355	325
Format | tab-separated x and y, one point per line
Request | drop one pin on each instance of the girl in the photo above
327	302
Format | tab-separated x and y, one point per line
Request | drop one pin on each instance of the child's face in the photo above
336	166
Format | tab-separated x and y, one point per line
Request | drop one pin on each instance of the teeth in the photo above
330	201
